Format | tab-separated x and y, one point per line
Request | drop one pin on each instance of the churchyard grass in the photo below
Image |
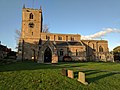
30	75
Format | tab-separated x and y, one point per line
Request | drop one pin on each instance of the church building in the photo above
54	47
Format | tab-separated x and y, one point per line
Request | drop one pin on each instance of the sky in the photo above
84	17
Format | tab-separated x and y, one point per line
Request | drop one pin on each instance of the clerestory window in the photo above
100	49
59	38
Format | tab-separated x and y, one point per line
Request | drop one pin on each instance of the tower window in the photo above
31	16
31	24
59	38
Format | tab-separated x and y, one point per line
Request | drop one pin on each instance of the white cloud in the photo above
100	34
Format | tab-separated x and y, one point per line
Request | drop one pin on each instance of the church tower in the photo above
30	33
31	23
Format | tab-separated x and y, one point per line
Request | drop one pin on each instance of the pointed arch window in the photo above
93	46
59	38
32	33
61	52
76	52
47	37
72	38
100	49
54	37
31	16
66	38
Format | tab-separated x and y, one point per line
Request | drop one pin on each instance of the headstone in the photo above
64	72
70	74
81	78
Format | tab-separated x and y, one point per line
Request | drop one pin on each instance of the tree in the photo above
18	35
116	52
45	28
116	49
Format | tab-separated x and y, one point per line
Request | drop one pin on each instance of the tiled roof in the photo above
75	43
72	43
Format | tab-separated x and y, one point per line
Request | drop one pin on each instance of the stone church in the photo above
55	47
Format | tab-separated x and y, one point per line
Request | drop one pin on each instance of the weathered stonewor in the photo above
81	78
64	72
70	74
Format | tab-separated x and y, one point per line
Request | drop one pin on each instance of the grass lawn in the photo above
33	76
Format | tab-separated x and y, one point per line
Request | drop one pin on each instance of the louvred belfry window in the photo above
31	16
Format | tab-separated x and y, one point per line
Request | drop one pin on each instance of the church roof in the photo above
75	43
71	43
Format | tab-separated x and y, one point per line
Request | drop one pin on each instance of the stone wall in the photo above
31	49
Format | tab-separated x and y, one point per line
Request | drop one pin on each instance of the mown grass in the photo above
33	76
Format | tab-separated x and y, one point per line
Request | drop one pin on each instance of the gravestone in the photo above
70	74
81	78
64	72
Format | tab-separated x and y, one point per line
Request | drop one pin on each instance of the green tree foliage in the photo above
116	52
116	49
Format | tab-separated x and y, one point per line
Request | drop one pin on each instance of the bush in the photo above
67	58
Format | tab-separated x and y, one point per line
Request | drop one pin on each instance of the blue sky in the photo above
84	17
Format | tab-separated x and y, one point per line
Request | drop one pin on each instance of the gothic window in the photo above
54	37
31	16
72	39
32	33
93	46
59	38
47	37
61	52
76	52
66	38
100	49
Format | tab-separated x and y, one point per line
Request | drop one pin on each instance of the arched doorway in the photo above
48	55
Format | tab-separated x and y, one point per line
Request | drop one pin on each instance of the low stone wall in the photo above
78	58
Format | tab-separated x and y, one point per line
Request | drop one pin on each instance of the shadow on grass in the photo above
76	74
89	72
93	79
98	75
30	65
